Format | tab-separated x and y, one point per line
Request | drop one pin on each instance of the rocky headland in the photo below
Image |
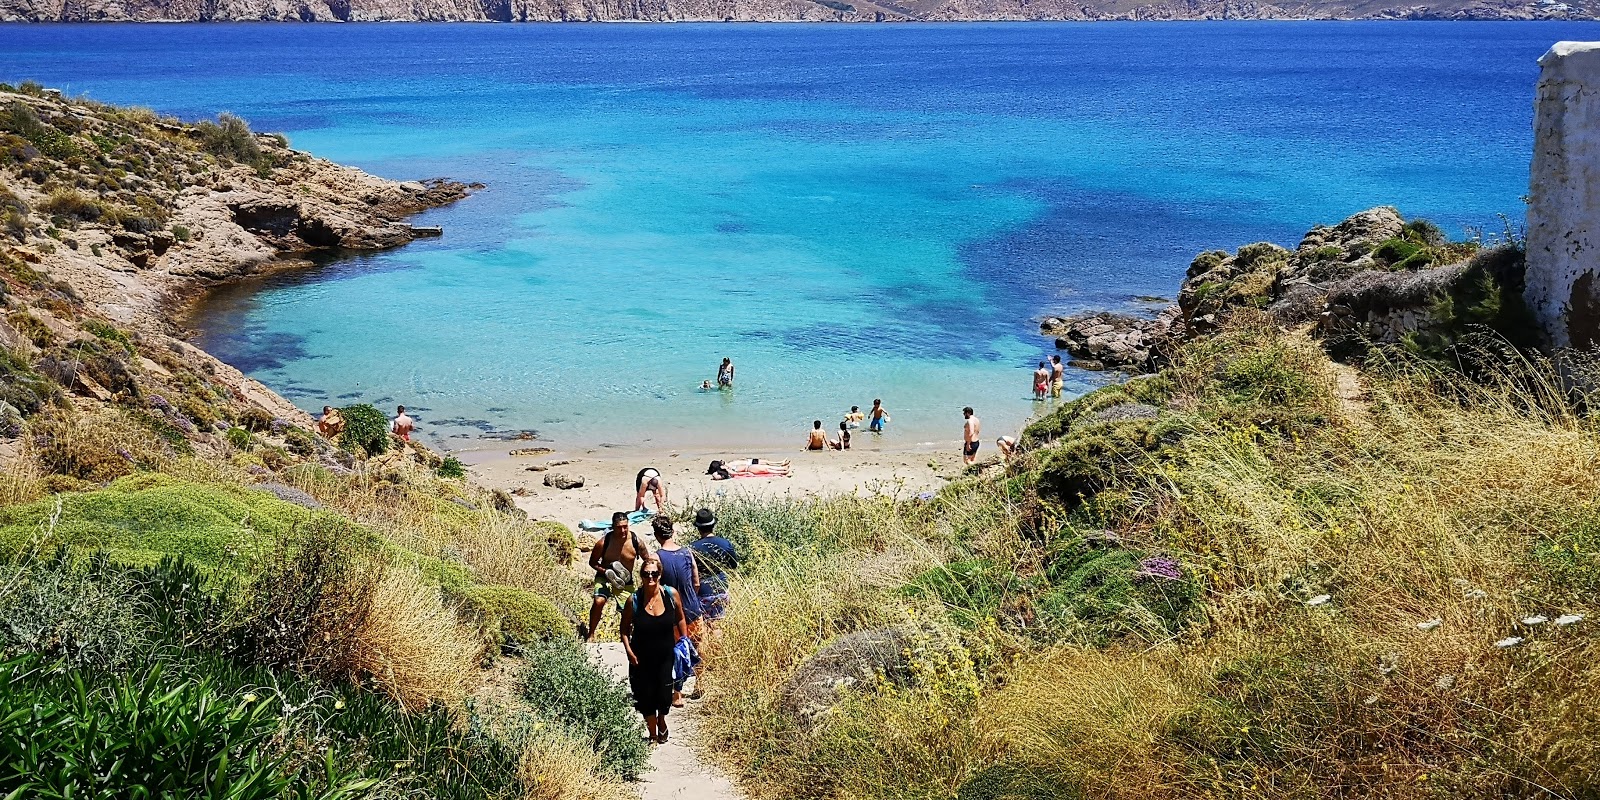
1373	278
767	10
112	219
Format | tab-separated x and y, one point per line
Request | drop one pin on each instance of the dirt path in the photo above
676	770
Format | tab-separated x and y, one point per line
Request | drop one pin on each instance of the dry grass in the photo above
1435	518
556	767
412	644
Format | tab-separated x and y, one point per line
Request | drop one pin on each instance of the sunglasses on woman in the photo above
649	575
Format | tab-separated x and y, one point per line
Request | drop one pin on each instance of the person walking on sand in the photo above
877	417
1058	377
725	373
332	422
1041	381
815	438
679	573
403	424
612	559
649	482
652	624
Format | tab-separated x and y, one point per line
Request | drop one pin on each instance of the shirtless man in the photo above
649	482
620	547
332	422
970	431
1041	381
816	439
403	424
1058	378
877	417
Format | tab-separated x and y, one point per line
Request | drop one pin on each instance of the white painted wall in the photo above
1563	280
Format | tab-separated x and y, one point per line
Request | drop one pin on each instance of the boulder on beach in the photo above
561	480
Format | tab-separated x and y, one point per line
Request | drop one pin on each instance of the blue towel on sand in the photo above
603	526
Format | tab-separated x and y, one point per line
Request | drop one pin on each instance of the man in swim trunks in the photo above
616	552
1057	376
403	424
332	422
1041	381
650	482
816	439
877	417
970	430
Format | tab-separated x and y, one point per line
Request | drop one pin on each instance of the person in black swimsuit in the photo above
652	624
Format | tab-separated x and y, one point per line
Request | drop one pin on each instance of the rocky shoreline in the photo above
1374	278
121	218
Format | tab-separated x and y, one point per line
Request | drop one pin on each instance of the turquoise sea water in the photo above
848	212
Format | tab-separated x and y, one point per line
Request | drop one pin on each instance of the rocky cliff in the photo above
111	218
769	10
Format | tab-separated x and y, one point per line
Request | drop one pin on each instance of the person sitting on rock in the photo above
332	422
403	424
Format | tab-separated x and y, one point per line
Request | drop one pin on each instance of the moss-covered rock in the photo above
563	544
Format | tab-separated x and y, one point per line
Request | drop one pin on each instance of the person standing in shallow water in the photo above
1058	377
1041	381
877	417
725	373
679	573
652	624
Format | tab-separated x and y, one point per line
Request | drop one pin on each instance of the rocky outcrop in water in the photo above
758	10
1374	278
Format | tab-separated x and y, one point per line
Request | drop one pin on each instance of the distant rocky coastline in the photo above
1374	278
771	10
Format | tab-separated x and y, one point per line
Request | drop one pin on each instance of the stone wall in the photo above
1563	279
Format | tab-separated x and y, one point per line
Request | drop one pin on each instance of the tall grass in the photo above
1380	582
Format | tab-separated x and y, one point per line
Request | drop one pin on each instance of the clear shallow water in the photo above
848	212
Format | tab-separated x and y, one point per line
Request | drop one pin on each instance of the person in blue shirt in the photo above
678	572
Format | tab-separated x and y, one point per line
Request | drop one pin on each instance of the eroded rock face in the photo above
1563	286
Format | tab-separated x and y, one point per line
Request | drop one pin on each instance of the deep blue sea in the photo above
848	212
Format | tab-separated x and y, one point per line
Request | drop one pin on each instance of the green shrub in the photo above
450	467
300	441
53	143
241	439
142	518
231	139
512	617
1014	782
72	204
34	328
1487	297
76	613
562	685
972	590
1102	593
109	333
560	539
366	430
22	387
182	233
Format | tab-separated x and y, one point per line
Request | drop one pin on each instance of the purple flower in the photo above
160	403
1159	567
125	454
279	425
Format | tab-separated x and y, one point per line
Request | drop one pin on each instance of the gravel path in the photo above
676	770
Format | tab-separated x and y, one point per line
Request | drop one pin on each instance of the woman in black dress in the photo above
652	624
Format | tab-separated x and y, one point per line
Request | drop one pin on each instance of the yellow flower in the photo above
250	698
338	704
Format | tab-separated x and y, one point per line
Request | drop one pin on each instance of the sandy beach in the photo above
608	474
